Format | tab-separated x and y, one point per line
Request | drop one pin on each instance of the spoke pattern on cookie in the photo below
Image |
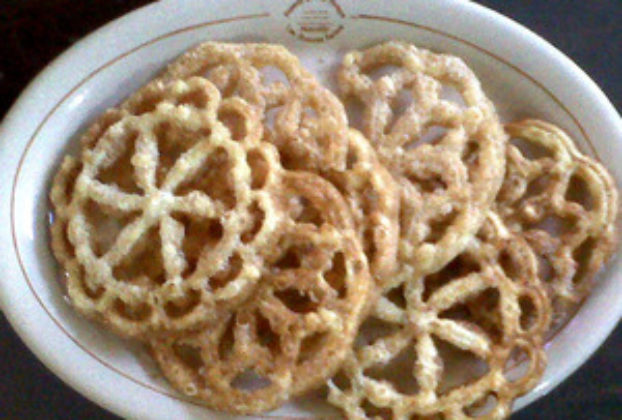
429	331
153	235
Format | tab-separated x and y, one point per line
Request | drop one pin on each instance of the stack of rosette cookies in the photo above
395	244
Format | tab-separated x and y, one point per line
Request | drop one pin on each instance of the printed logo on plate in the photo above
315	20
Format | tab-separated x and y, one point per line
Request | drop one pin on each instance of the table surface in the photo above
33	32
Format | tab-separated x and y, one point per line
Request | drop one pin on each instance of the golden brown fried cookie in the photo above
295	330
373	199
422	353
564	204
445	153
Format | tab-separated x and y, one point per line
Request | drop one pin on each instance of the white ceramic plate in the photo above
523	74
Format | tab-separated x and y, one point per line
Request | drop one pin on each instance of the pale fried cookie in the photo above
446	154
295	108
421	333
296	329
161	219
564	204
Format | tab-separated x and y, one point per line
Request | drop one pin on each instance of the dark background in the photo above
32	33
